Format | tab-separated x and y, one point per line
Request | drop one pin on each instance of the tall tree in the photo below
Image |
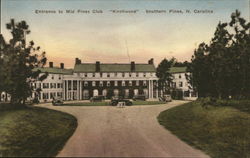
221	69
165	77
19	60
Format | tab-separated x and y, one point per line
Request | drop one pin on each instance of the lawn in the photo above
220	131
108	103
33	131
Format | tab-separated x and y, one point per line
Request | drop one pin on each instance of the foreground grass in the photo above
33	131
221	131
108	103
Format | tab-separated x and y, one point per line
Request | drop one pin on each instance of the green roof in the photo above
90	67
55	70
178	69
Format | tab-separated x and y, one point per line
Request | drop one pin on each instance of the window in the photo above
144	74
123	83
45	85
137	74
151	74
180	84
93	74
108	83
52	95
108	75
59	94
101	84
174	84
179	75
52	85
52	77
123	74
130	83
93	83
59	77
85	75
85	84
130	75
144	83
45	96
137	83
116	83
100	74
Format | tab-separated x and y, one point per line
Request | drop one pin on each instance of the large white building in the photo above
86	80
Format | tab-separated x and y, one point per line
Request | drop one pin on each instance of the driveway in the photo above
105	131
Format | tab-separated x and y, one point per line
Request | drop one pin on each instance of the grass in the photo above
220	131
33	131
108	103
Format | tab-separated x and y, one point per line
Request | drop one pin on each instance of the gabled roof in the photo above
55	70
90	67
178	69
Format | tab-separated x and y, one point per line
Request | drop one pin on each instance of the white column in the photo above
72	90
152	89
67	89
149	89
63	90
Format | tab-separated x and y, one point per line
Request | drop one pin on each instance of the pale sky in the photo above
102	37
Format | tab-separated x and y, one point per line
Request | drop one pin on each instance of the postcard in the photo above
125	78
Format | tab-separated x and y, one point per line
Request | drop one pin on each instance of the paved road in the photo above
123	132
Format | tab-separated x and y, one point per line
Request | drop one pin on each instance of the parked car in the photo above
166	98
139	97
115	100
97	98
57	101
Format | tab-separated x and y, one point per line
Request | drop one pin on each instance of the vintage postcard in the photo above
125	78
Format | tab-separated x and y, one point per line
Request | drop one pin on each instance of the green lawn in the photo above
220	131
33	131
108	103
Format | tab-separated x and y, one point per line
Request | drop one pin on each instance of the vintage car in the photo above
57	101
115	100
166	98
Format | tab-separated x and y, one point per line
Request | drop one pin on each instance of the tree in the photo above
221	69
165	77
19	60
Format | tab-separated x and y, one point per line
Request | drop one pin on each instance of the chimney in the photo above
151	61
77	61
132	66
51	64
97	66
62	65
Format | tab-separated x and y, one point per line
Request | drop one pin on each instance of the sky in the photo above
119	37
